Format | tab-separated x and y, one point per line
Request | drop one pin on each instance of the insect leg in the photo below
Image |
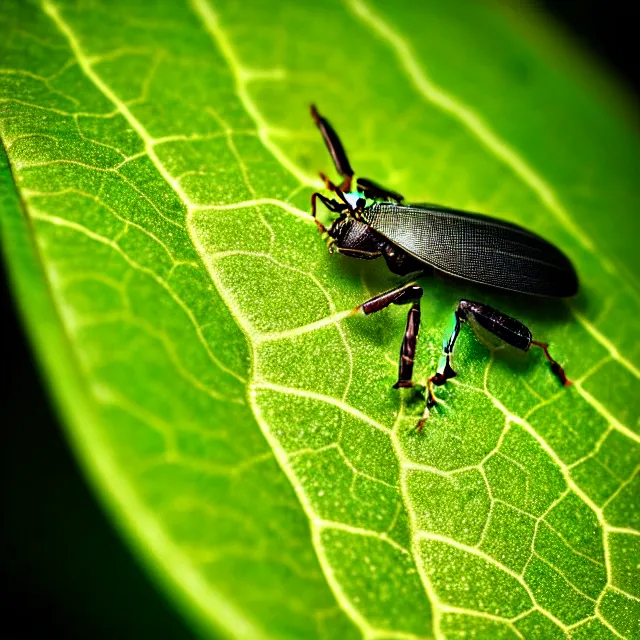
335	189
407	294
445	370
507	329
357	253
372	189
335	148
332	205
556	369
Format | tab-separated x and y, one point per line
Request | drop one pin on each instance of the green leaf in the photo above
240	426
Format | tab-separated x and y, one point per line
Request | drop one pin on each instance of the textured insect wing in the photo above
477	248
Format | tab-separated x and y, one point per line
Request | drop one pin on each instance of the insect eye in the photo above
360	203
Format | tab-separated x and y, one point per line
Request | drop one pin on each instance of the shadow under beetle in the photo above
373	222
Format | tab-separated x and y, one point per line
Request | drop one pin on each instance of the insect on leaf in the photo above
156	170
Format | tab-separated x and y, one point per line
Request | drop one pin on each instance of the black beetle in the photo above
373	222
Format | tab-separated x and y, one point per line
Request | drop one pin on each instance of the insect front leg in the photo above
332	205
335	148
406	294
335	189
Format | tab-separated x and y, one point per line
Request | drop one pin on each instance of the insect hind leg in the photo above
511	331
445	370
507	329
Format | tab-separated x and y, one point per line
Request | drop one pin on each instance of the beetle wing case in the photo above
476	248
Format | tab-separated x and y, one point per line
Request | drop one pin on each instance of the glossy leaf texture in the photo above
240	426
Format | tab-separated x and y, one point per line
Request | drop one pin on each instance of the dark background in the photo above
64	571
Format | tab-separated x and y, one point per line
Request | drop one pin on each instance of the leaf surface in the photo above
242	428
